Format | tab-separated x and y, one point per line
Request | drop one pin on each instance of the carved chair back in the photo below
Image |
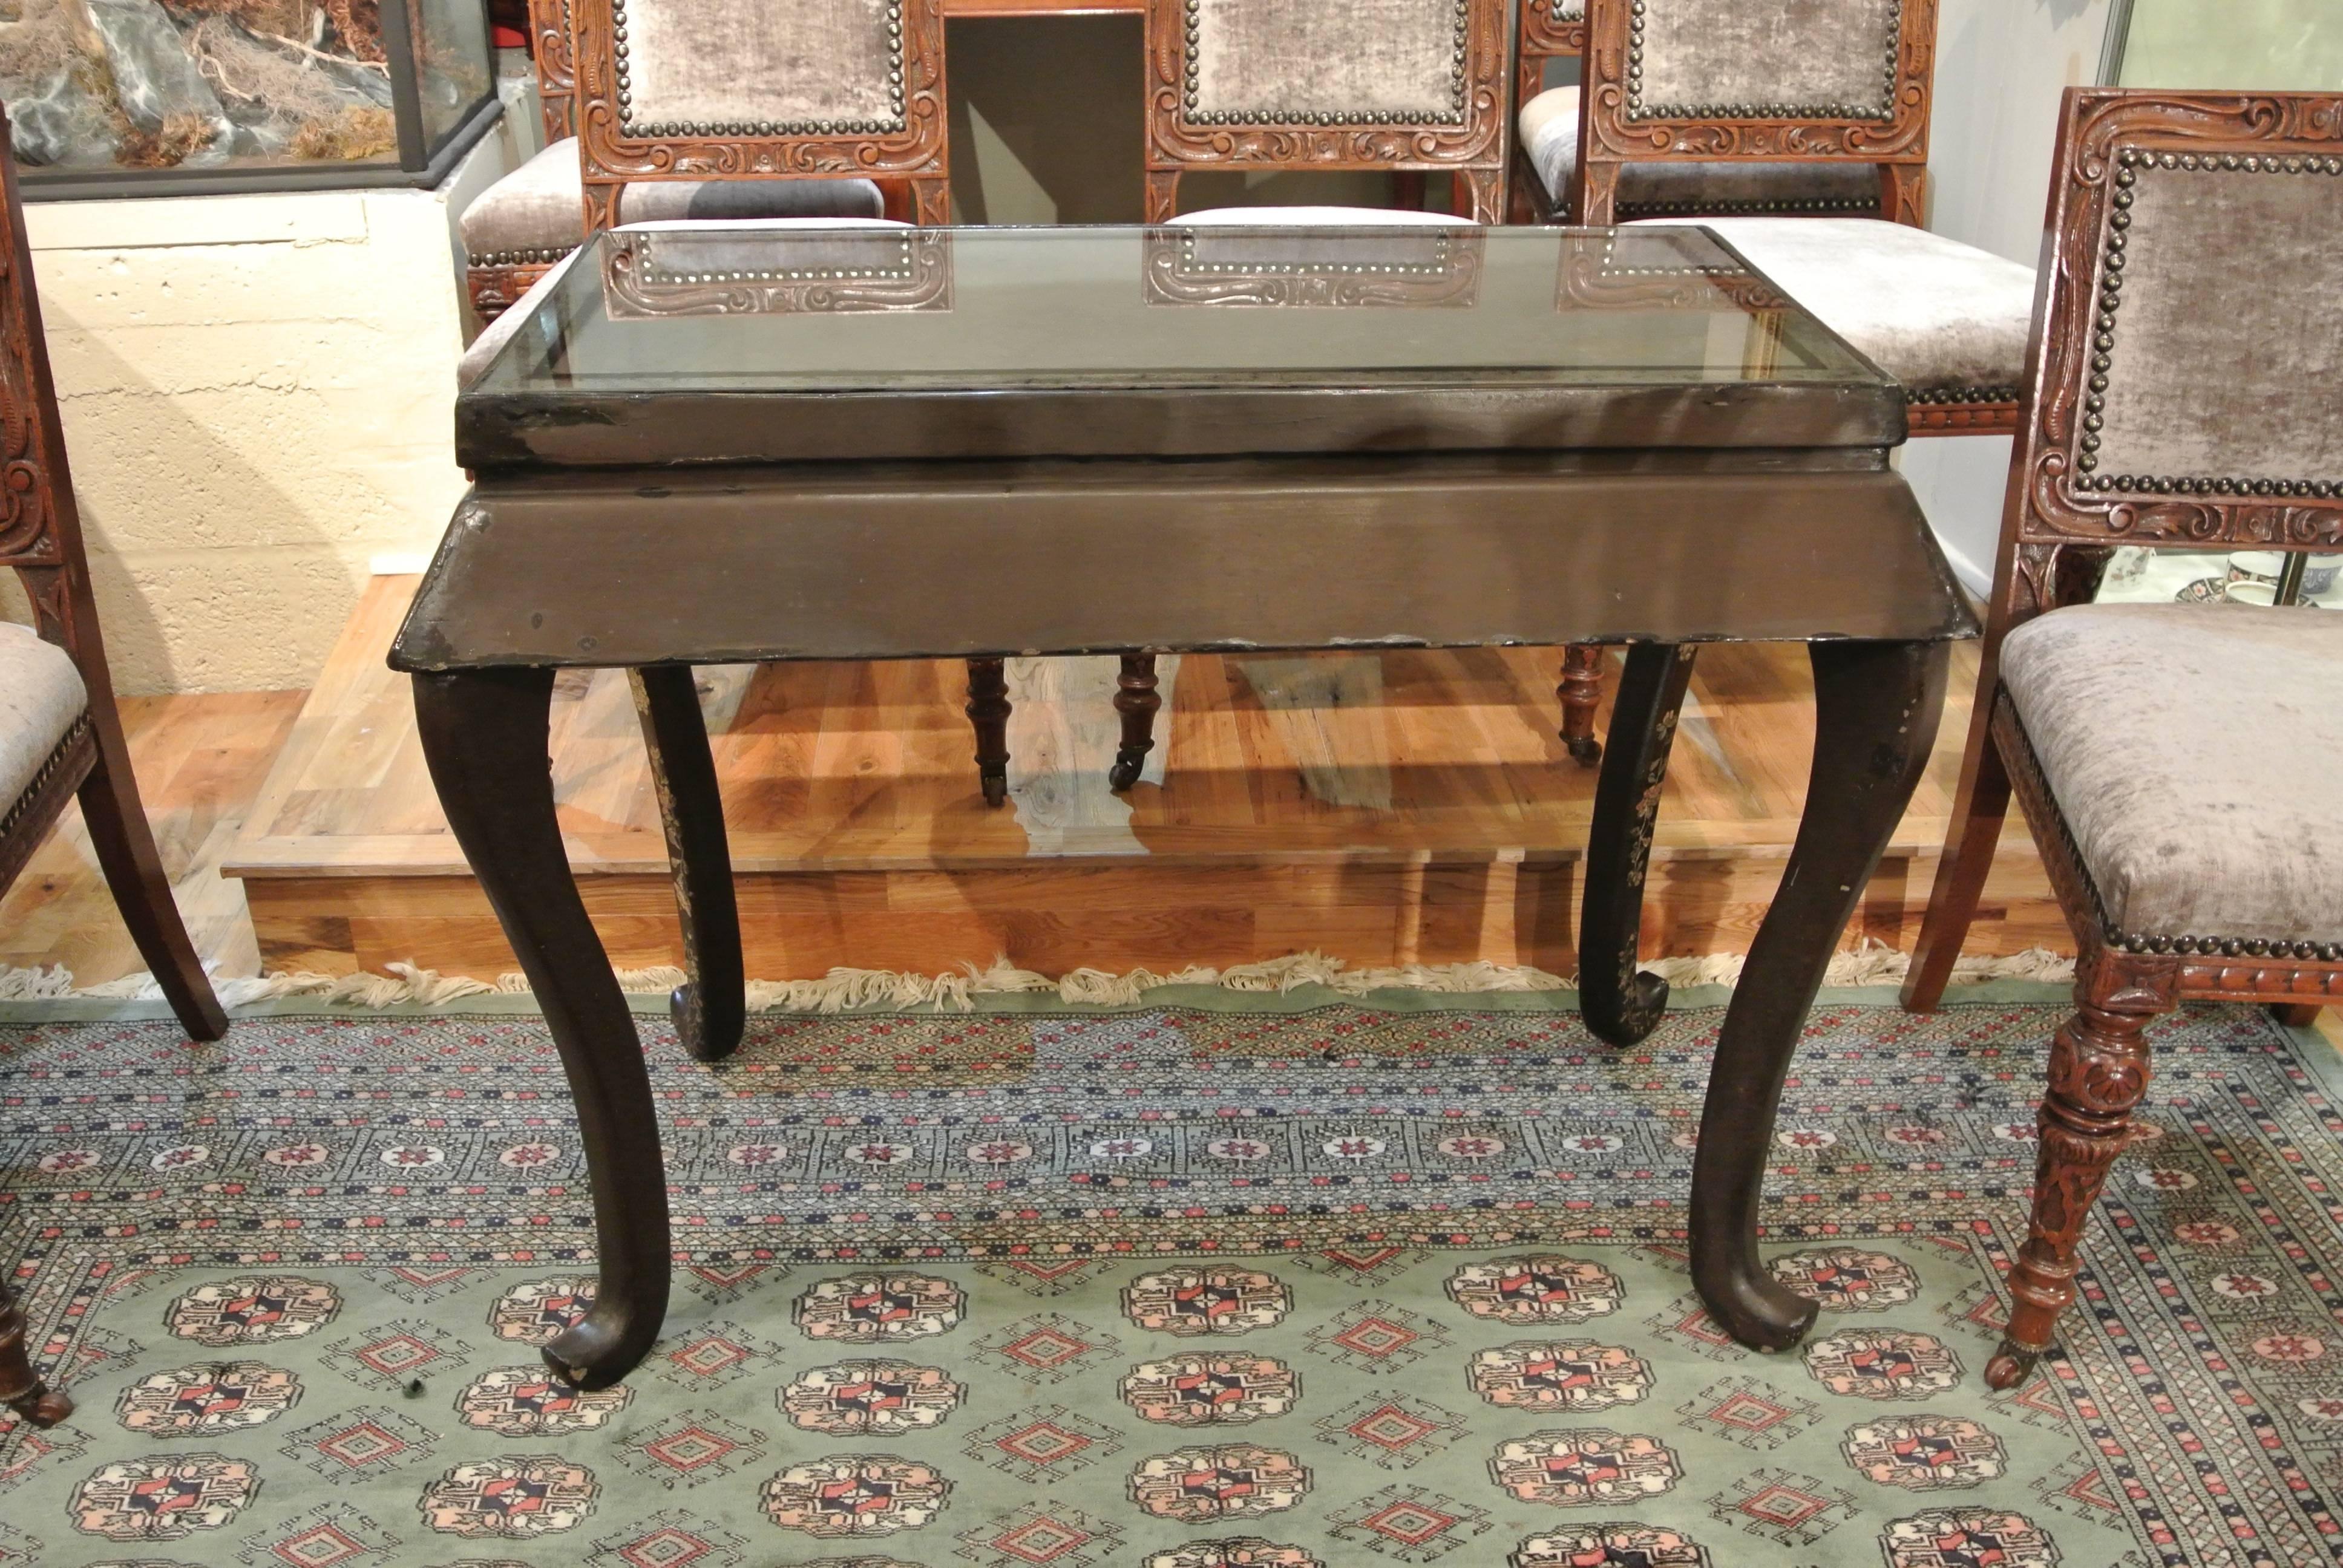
1790	81
1410	85
745	89
557	77
2187	331
1550	30
40	530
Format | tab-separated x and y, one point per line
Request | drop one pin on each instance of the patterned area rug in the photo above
1264	1283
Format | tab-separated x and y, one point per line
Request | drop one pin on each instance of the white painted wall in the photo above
258	397
2001	68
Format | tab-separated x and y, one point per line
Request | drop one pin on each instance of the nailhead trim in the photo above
1440	239
1639	110
791	274
1458	86
668	130
2130	161
48	770
1936	395
519	258
1632	210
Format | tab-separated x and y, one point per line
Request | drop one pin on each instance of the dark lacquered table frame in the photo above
1704	512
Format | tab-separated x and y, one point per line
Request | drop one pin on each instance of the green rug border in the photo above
1199	998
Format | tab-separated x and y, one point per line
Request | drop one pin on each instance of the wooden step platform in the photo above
1384	808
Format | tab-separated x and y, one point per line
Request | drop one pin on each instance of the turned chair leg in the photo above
1581	691
21	1388
988	710
2099	1071
1138	701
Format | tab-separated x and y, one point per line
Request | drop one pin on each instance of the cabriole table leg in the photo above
710	1009
1617	1001
486	736
1875	710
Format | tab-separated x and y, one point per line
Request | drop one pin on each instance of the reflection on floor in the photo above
1384	808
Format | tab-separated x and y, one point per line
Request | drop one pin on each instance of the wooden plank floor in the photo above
200	763
1386	807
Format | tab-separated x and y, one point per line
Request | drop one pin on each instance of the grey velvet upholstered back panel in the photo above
1277	60
2226	328
1800	55
832	64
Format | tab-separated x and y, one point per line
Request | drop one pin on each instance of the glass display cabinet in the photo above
151	97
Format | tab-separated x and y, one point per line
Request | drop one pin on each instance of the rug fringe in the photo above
853	989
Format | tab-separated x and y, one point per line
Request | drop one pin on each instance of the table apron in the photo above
768	567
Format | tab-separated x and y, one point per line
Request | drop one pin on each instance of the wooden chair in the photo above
60	734
1267	84
2181	766
517	229
1804	144
1547	30
1415	87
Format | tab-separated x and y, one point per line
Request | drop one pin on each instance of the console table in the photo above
719	446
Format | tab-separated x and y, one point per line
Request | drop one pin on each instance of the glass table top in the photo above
748	308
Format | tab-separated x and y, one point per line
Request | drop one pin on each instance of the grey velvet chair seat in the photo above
1549	131
1946	320
537	213
41	696
2206	801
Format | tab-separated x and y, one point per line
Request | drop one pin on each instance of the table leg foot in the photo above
603	1346
1875	710
485	739
710	1009
1617	1001
2012	1364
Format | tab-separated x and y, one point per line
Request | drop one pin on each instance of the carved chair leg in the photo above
21	1388
1980	808
932	201
1481	195
2098	1071
1598	193
1618	1001
1581	691
710	1008
124	843
988	710
1162	194
1137	700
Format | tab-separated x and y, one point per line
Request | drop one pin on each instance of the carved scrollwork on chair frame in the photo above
1599	278
1619	126
28	535
1472	137
557	70
1449	275
2116	137
613	150
1545	35
896	269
